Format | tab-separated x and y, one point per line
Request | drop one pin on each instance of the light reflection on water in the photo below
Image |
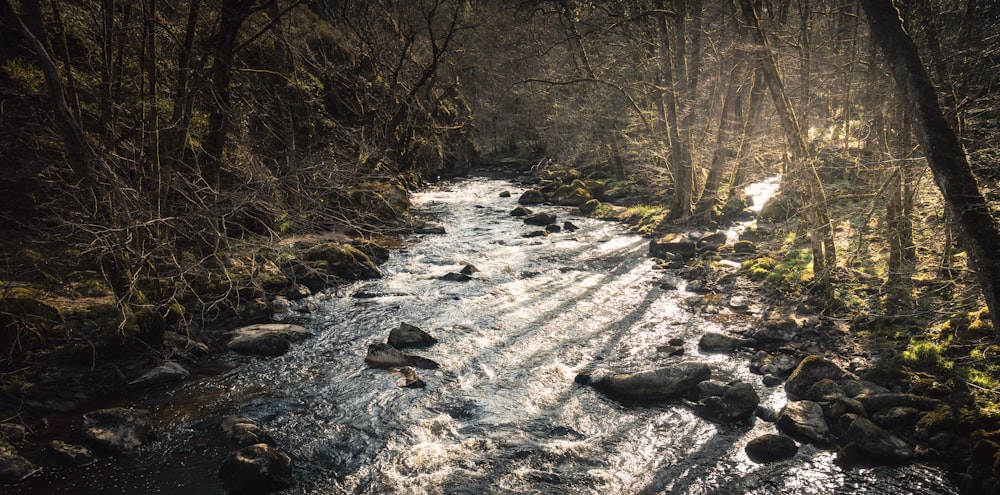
503	414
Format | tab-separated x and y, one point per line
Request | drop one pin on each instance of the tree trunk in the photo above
820	227
944	152
680	155
234	13
72	133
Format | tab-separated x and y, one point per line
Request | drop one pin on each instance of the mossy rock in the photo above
778	209
386	200
571	196
343	261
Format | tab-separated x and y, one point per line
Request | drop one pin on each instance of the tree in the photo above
944	153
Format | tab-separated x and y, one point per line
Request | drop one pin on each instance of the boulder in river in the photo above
771	447
720	342
590	206
70	455
455	277
532	197
672	246
876	443
811	370
504	194
662	383
118	429
737	402
382	355
406	335
13	467
520	211
164	373
258	468
570	226
540	219
343	261
266	339
242	432
804	419
408	378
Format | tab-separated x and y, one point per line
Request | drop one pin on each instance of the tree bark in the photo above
820	227
945	154
680	154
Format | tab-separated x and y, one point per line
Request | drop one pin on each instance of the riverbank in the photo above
711	288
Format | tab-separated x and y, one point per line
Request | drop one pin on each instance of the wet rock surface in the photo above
119	429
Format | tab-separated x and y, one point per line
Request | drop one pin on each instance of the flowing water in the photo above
502	414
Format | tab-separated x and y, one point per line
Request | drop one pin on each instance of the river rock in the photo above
69	454
771	447
839	406
504	194
408	378
553	229
811	370
406	335
118	429
12	432
744	247
242	432
589	207
877	443
804	419
13	467
266	339
824	390
532	197
534	233
672	246
185	344
739	302
854	388
737	402
712	241
428	228
344	261
540	219
896	417
720	342
520	211
779	330
386	356
663	383
878	402
164	373
778	364
468	270
455	277
258	468
570	226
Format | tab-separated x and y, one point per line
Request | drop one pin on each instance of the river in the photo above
502	414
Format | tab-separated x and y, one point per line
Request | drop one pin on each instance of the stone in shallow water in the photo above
118	429
662	383
258	468
804	419
13	467
771	447
406	335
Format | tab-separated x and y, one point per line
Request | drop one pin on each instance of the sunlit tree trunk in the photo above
945	154
820	227
680	153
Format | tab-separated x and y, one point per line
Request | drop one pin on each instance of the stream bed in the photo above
502	414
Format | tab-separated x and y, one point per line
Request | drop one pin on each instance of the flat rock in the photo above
386	356
878	402
69	454
407	377
662	383
266	339
720	342
531	197
672	246
406	335
520	211
771	447
804	419
241	432
118	429
455	277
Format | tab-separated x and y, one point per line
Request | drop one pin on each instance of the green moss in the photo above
923	354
